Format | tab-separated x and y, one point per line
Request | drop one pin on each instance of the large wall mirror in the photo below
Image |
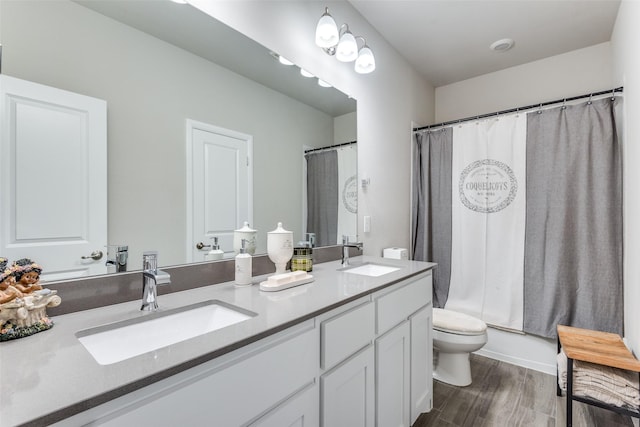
159	64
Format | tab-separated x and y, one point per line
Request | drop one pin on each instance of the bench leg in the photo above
558	389
569	392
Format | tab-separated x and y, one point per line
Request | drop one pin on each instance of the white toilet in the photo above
455	335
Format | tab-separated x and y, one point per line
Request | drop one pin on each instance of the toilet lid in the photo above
457	323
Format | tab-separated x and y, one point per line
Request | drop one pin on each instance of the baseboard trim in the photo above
529	364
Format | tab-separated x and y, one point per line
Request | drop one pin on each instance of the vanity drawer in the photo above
397	305
346	333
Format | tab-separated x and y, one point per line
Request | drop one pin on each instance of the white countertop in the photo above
50	375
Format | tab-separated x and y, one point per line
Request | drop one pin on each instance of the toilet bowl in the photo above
455	336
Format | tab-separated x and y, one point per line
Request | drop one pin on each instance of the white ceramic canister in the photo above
247	233
280	247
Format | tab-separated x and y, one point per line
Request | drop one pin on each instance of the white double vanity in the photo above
345	350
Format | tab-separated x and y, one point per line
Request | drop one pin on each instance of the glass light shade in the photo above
323	83
327	31
305	73
284	61
365	63
347	49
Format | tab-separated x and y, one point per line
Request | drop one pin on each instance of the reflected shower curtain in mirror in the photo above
573	252
322	196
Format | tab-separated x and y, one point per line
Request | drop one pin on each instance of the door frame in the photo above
191	126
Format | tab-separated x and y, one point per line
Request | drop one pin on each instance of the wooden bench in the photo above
601	348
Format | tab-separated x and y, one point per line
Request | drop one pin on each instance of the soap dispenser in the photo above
215	253
243	266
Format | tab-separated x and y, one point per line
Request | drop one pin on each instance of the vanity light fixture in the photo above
323	83
343	44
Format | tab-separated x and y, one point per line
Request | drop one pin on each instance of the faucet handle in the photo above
150	260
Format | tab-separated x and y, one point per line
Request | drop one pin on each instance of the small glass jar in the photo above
302	259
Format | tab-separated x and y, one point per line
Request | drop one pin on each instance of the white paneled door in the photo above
53	179
219	186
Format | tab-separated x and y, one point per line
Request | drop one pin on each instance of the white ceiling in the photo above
448	40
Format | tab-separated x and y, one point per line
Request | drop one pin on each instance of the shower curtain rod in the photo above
328	147
515	110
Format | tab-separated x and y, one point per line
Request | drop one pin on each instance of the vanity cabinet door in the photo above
421	362
393	377
347	392
301	410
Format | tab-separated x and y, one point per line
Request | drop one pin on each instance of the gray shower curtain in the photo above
573	238
322	196
431	231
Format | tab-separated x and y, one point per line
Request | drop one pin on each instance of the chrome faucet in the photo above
151	279
345	249
117	256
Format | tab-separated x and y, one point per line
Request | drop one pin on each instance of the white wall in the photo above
389	99
562	76
345	128
574	73
625	43
151	88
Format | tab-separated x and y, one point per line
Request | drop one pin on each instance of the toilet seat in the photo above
457	323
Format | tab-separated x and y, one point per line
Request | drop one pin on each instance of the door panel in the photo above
60	135
219	181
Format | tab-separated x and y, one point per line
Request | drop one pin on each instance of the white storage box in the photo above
395	253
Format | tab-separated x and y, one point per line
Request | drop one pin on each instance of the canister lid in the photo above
280	230
246	228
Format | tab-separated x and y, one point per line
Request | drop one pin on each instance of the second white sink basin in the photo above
120	341
370	269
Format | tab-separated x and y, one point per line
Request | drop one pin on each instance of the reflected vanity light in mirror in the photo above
305	73
284	61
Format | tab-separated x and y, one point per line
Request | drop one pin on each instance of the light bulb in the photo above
365	63
347	49
326	31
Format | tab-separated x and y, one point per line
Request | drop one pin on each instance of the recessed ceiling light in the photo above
502	45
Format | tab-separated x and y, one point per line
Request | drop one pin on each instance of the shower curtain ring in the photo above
613	94
564	102
590	99
540	109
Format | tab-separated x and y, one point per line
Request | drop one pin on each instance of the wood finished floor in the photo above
503	395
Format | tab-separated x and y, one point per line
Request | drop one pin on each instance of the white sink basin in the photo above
373	270
119	341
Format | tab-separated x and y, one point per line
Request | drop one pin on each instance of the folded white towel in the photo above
610	385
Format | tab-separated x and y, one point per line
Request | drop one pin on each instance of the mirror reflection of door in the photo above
219	187
53	180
